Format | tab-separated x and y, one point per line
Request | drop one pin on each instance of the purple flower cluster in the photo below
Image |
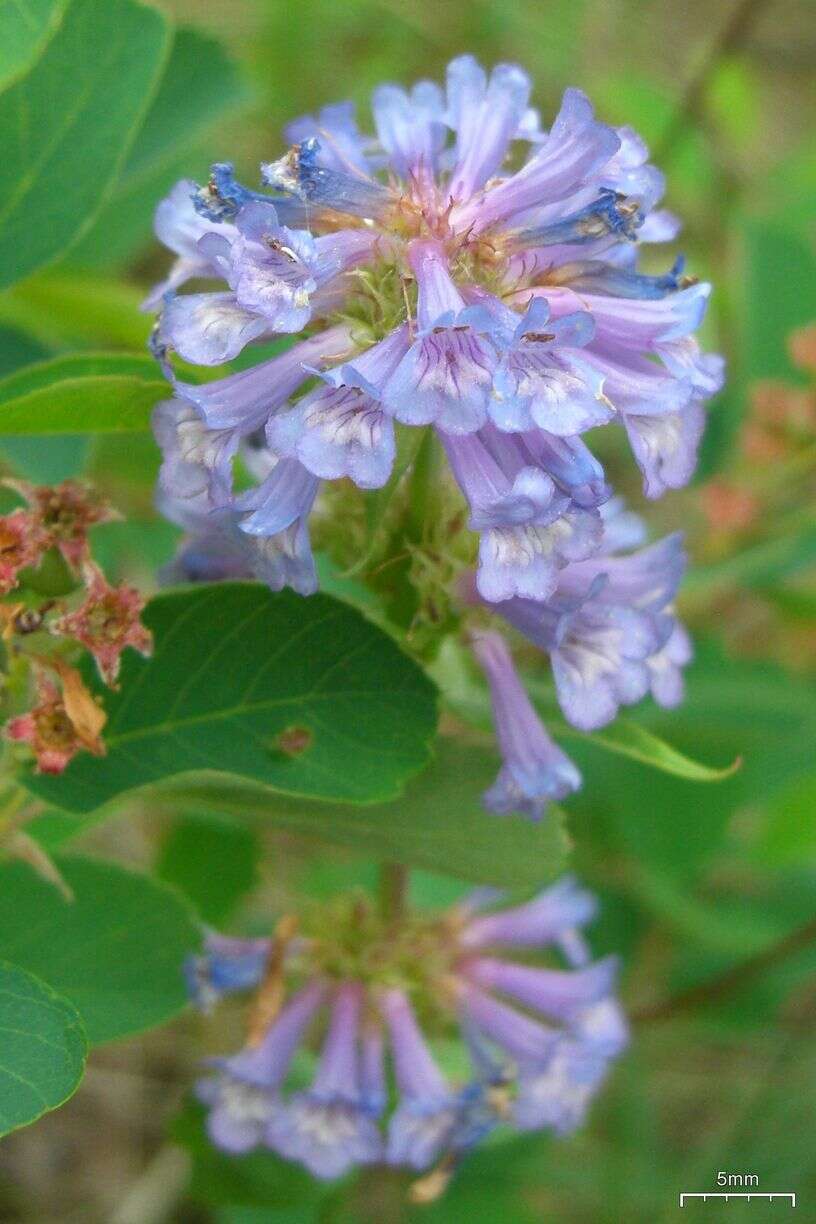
540	1041
612	638
509	315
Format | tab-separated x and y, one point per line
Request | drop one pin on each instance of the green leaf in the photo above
780	295
763	564
733	98
466	692
25	28
116	951
734	708
236	672
262	1215
98	392
789	835
440	822
632	740
42	1048
50	459
17	349
61	308
777	278
199	87
55	458
66	128
212	861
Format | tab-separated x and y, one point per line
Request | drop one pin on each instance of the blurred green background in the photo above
709	892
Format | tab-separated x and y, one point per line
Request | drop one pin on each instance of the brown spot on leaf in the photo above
294	741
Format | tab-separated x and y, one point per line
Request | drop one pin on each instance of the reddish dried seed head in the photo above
62	514
54	737
21	545
106	622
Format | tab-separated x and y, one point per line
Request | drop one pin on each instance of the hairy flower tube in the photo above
467	273
370	997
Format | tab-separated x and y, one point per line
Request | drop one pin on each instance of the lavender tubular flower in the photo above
486	115
328	1128
179	226
209	328
341	429
244	1095
283	498
534	770
447	374
410	128
557	993
541	380
216	548
606	630
540	1038
558	1075
576	146
422	1123
197	461
525	1040
529	528
226	965
247	399
556	1097
341	145
535	924
272	272
507	310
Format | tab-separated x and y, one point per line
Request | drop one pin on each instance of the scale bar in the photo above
734	1194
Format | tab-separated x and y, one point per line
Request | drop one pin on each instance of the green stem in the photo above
425	486
729	38
393	890
10	804
732	980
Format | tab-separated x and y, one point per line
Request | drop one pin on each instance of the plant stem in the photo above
733	978
393	890
425	486
729	38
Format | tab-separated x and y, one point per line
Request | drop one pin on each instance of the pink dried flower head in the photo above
802	347
21	545
62	514
106	622
728	506
61	724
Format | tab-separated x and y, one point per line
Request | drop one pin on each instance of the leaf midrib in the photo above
252	707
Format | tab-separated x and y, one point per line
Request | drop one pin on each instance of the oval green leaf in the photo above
439	823
42	1048
630	739
466	693
25	28
67	126
115	952
303	695
200	86
83	392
